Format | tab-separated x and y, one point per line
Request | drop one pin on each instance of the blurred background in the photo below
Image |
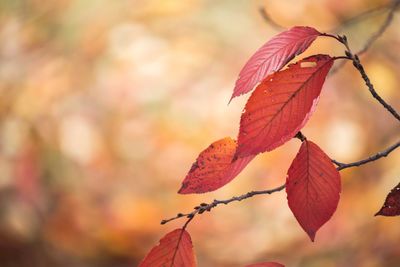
104	105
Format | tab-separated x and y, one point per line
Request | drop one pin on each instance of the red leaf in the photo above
391	207
266	264
272	56
313	188
175	247
214	168
281	105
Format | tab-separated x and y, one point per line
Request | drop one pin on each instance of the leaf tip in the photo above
230	100
379	213
311	234
184	189
184	192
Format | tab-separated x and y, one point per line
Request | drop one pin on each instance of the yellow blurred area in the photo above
106	104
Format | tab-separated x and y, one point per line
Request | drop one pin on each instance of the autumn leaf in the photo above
214	167
266	264
391	207
174	250
313	188
272	56
281	105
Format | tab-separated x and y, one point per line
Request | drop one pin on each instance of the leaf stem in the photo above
331	36
180	239
341	57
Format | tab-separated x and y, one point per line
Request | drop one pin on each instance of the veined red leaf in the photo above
214	167
174	250
272	56
313	188
391	207
281	105
266	264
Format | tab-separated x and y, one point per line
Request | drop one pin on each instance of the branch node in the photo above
300	136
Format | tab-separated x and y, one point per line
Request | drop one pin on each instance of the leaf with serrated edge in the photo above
214	168
281	105
273	55
391	207
178	243
313	188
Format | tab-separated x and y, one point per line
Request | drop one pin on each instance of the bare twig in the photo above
382	28
270	21
386	23
208	207
377	156
203	207
357	64
357	18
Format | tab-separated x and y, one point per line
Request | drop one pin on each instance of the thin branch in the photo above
203	207
355	19
357	64
359	17
208	207
377	156
386	23
270	21
382	28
